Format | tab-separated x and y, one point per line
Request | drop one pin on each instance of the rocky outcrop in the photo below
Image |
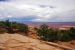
20	42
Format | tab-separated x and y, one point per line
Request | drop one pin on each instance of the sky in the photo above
38	10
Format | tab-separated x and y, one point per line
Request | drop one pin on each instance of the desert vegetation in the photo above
44	32
13	27
48	34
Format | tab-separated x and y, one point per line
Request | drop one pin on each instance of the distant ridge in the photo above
50	23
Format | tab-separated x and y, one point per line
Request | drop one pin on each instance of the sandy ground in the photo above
20	42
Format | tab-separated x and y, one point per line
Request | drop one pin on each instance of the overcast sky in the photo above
38	10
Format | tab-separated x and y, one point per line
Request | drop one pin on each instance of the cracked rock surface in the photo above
20	42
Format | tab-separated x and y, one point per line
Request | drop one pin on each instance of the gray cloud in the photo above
3	0
43	10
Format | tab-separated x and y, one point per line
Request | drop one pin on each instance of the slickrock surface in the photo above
20	42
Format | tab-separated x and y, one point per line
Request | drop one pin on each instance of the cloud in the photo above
41	10
3	0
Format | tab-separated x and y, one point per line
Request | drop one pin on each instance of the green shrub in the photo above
72	32
23	28
14	27
63	35
46	33
3	31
